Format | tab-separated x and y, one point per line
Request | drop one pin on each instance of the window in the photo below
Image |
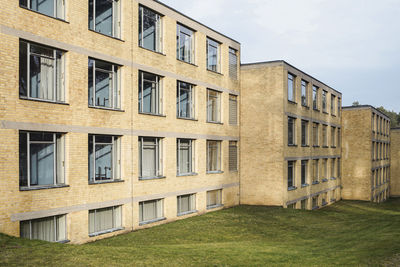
41	159
333	136
52	8
41	72
186	204
291	131
213	106
339	138
324	169
324	199
325	135
150	157
105	220
292	206
104	158
304	172
304	133
315	202
333	167
304	93
315	134
373	122
213	156
185	100
150	93
150	29
104	80
333	101
291	174
315	97
333	195
214	199
151	211
291	87
233	156
233	63
213	57
339	106
185	44
324	104
104	17
185	156
338	168
304	204
51	229
315	171
233	110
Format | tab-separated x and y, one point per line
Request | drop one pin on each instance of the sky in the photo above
351	45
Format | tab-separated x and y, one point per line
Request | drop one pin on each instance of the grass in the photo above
346	233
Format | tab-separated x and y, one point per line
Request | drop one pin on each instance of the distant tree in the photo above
394	117
356	103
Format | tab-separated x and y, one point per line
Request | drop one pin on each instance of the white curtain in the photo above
60	146
151	210
46	78
44	229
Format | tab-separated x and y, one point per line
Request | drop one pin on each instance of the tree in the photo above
394	117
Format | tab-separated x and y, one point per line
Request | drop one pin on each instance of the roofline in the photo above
173	9
286	63
367	107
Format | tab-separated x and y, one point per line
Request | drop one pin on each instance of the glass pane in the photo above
103	162
23	69
43	6
23	3
103	219
185	156
41	136
104	16
44	229
213	154
59	77
23	160
90	82
103	88
148	36
212	56
184	105
149	159
149	97
42	164
61	224
25	229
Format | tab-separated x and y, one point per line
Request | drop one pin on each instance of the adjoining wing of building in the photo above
121	115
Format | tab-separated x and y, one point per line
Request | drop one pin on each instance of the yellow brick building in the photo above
114	116
395	162
290	138
366	156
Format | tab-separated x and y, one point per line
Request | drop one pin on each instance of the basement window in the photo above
105	220
51	229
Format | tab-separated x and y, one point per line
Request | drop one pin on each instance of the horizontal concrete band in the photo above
312	120
80	50
311	195
380	167
30	126
312	157
98	205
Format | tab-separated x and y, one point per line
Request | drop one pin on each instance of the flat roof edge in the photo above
260	63
367	107
186	16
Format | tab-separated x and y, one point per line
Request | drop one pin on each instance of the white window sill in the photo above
152	221
106	231
41	187
151	178
43	100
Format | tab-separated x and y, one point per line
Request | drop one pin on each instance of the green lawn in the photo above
346	233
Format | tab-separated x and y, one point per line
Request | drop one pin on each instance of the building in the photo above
394	162
114	116
366	157
290	138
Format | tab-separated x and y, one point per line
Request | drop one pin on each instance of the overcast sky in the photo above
351	45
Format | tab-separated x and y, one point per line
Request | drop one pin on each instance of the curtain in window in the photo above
151	210
149	158
46	78
60	147
185	156
44	229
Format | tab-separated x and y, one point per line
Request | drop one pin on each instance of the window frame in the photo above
159	93
116	21
56	227
304	93
156	218
291	78
115	91
233	148
58	140
304	133
210	107
158	162
116	154
191	148
315	134
324	101
325	135
192	59
191	92
233	66
304	170
291	128
315	171
233	108
315	98
159	30
218	158
217	45
191	204
333	136
291	175
114	219
333	102
55	15
219	199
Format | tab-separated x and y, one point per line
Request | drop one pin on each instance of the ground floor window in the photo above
105	219
304	203
214	198
151	210
52	229
315	202
186	204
